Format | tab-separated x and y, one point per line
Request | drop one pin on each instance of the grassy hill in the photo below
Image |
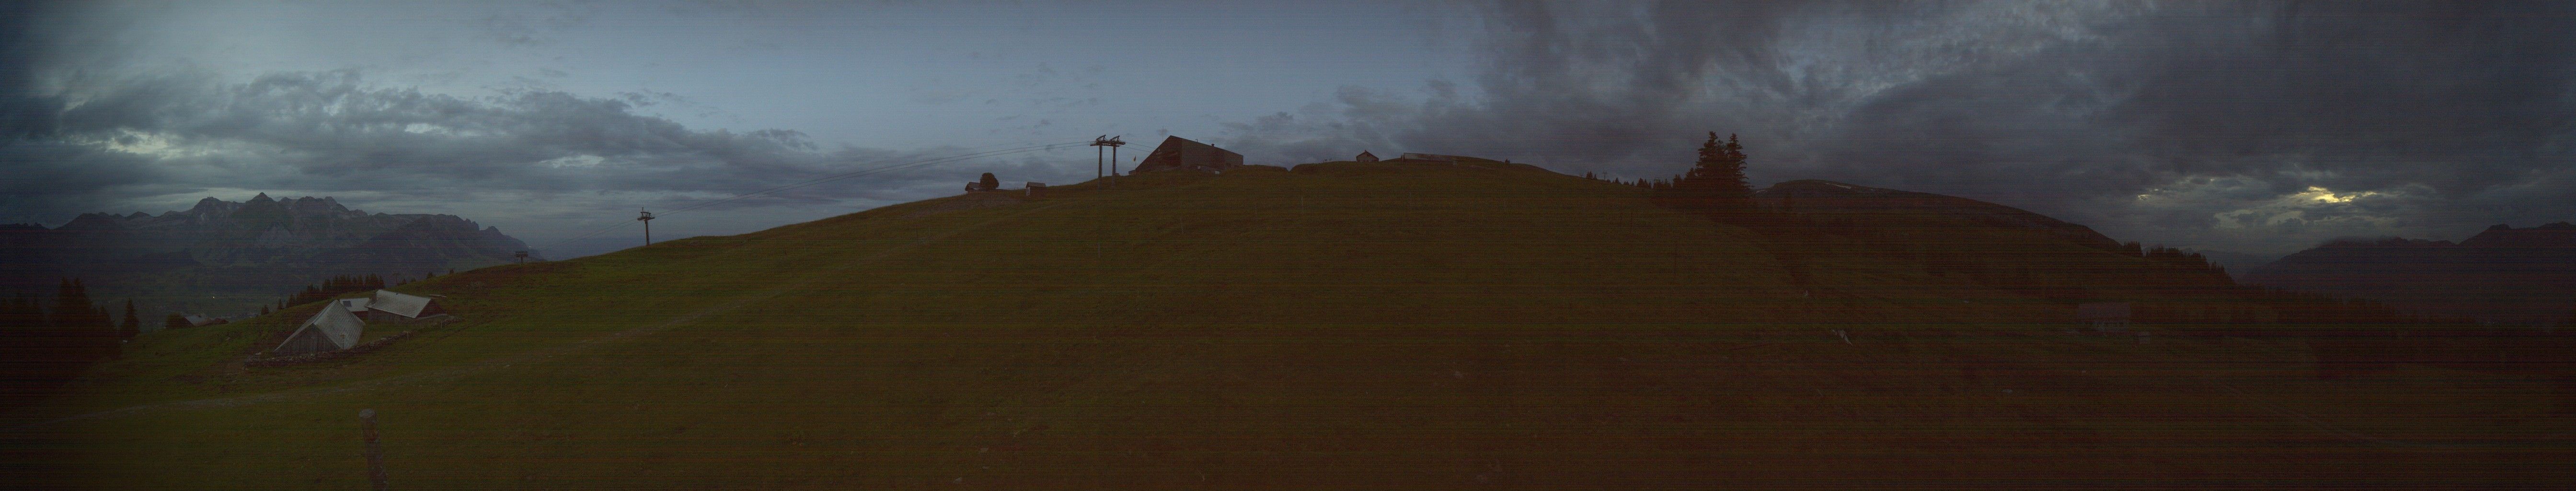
1346	325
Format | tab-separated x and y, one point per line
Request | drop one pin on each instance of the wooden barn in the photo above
334	328
407	306
1178	153
1364	157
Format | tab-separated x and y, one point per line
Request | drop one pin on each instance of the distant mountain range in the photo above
2504	274
226	258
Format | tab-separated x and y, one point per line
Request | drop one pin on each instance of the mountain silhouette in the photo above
2503	274
226	257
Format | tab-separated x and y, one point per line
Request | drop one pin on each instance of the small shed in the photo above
2104	316
200	320
329	330
1364	157
407	306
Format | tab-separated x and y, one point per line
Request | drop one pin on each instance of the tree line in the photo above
336	286
1715	184
45	343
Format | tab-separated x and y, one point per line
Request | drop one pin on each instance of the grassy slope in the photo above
1379	325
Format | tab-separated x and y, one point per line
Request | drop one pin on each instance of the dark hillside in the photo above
1854	236
1817	196
1344	325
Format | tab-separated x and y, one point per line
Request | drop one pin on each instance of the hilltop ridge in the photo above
1384	325
1829	196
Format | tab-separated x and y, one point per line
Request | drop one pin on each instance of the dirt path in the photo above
531	356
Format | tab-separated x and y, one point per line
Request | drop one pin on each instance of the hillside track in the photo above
531	356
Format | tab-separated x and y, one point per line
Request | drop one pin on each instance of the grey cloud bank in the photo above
2256	126
2252	126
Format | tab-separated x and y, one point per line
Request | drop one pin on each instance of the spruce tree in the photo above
133	326
988	183
82	323
1716	181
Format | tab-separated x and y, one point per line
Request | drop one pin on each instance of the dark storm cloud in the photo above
174	132
2153	120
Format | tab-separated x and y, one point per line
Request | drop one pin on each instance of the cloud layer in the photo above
184	132
2168	122
2253	126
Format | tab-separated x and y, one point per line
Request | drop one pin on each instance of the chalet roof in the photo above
1364	157
198	320
337	326
399	304
355	305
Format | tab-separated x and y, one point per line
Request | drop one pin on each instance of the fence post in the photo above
375	451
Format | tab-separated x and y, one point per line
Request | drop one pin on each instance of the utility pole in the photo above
523	255
1113	142
1096	166
647	218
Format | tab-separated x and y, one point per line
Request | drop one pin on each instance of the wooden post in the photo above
375	451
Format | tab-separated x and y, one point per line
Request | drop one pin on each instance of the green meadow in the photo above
1344	326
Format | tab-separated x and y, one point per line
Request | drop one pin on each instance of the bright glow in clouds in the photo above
2322	195
2316	207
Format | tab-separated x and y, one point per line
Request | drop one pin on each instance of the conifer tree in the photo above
1716	182
82	324
133	326
988	183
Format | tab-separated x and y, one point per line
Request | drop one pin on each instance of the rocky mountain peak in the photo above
210	205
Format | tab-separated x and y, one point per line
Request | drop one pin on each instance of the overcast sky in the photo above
2256	127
